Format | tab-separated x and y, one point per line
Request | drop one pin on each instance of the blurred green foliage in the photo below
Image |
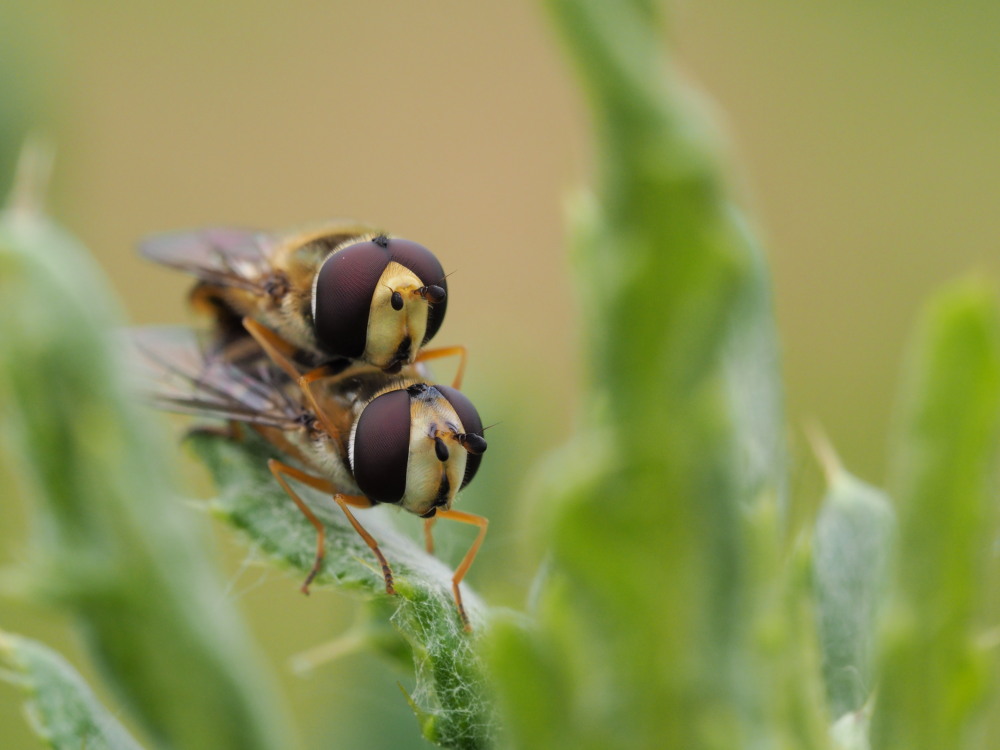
646	616
109	542
24	97
681	603
61	707
938	673
674	612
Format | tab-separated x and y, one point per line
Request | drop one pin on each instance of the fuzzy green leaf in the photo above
935	675
450	696
63	710
110	542
852	547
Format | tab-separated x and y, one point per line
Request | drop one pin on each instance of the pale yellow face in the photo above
430	418
387	327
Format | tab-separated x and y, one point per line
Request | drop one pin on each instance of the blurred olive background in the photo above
864	143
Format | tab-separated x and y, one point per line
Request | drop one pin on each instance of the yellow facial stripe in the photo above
423	469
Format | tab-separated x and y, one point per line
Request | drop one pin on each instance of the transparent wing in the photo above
229	257
175	372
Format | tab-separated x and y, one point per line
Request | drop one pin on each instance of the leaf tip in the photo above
824	451
31	179
427	720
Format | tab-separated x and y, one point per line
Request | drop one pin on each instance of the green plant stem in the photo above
645	615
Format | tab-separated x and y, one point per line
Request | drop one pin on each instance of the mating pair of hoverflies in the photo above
318	345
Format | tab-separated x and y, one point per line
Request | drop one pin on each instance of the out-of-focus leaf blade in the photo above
945	472
752	372
852	545
539	709
109	541
62	708
648	597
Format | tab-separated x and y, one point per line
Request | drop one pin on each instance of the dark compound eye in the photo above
471	423
346	284
397	301
382	447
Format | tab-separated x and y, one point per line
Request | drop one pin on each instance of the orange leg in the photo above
280	352
358	501
279	469
428	537
447	351
461	570
305	384
363	502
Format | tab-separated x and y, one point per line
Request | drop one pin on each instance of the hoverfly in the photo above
366	437
335	291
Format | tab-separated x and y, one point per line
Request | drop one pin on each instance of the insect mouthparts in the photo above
403	352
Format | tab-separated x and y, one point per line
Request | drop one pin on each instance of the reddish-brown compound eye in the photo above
345	285
343	295
471	423
427	268
381	447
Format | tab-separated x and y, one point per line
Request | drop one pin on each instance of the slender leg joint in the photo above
343	501
463	568
280	470
428	536
448	351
